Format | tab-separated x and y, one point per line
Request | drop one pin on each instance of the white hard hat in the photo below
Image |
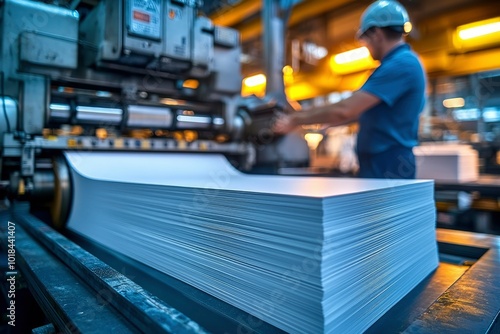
385	13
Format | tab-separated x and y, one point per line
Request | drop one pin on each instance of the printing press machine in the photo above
153	76
130	76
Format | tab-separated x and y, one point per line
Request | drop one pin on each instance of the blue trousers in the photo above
395	163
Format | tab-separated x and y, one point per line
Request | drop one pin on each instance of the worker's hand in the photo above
284	124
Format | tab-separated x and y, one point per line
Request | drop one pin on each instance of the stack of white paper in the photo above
307	255
447	162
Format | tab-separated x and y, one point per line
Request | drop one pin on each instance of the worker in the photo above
387	106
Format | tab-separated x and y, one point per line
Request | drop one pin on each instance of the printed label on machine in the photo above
145	18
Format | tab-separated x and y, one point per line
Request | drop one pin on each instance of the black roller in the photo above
61	201
49	189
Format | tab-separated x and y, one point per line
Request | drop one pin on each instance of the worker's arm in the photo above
343	112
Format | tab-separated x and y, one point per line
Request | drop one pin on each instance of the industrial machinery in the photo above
135	75
130	75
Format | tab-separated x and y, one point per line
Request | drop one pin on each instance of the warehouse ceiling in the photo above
332	24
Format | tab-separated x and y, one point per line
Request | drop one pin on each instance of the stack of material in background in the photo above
447	162
307	255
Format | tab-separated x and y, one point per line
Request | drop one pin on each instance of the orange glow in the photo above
191	83
477	35
254	85
352	61
255	80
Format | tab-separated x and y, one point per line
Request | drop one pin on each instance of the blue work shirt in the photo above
399	82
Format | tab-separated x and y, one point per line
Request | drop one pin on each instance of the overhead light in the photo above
456	102
479	29
352	55
352	61
255	80
477	35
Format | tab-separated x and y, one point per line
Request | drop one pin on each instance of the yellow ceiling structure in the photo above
435	38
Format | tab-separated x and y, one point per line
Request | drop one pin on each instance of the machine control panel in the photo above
144	18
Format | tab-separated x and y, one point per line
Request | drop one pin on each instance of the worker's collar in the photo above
396	49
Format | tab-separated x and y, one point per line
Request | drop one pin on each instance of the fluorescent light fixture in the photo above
456	102
352	56
477	29
255	80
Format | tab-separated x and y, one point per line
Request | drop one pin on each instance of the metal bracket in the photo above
28	160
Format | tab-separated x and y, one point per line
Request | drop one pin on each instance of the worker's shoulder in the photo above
404	61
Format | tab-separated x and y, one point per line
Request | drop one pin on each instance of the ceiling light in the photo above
478	29
352	61
352	56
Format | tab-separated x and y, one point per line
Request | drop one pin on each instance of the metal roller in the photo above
61	202
49	187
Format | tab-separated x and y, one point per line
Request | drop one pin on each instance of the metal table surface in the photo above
459	297
486	185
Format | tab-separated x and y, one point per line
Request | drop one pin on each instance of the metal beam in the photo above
301	12
274	48
230	16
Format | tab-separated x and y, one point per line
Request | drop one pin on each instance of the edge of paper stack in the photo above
305	254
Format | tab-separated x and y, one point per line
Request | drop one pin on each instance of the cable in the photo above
3	102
